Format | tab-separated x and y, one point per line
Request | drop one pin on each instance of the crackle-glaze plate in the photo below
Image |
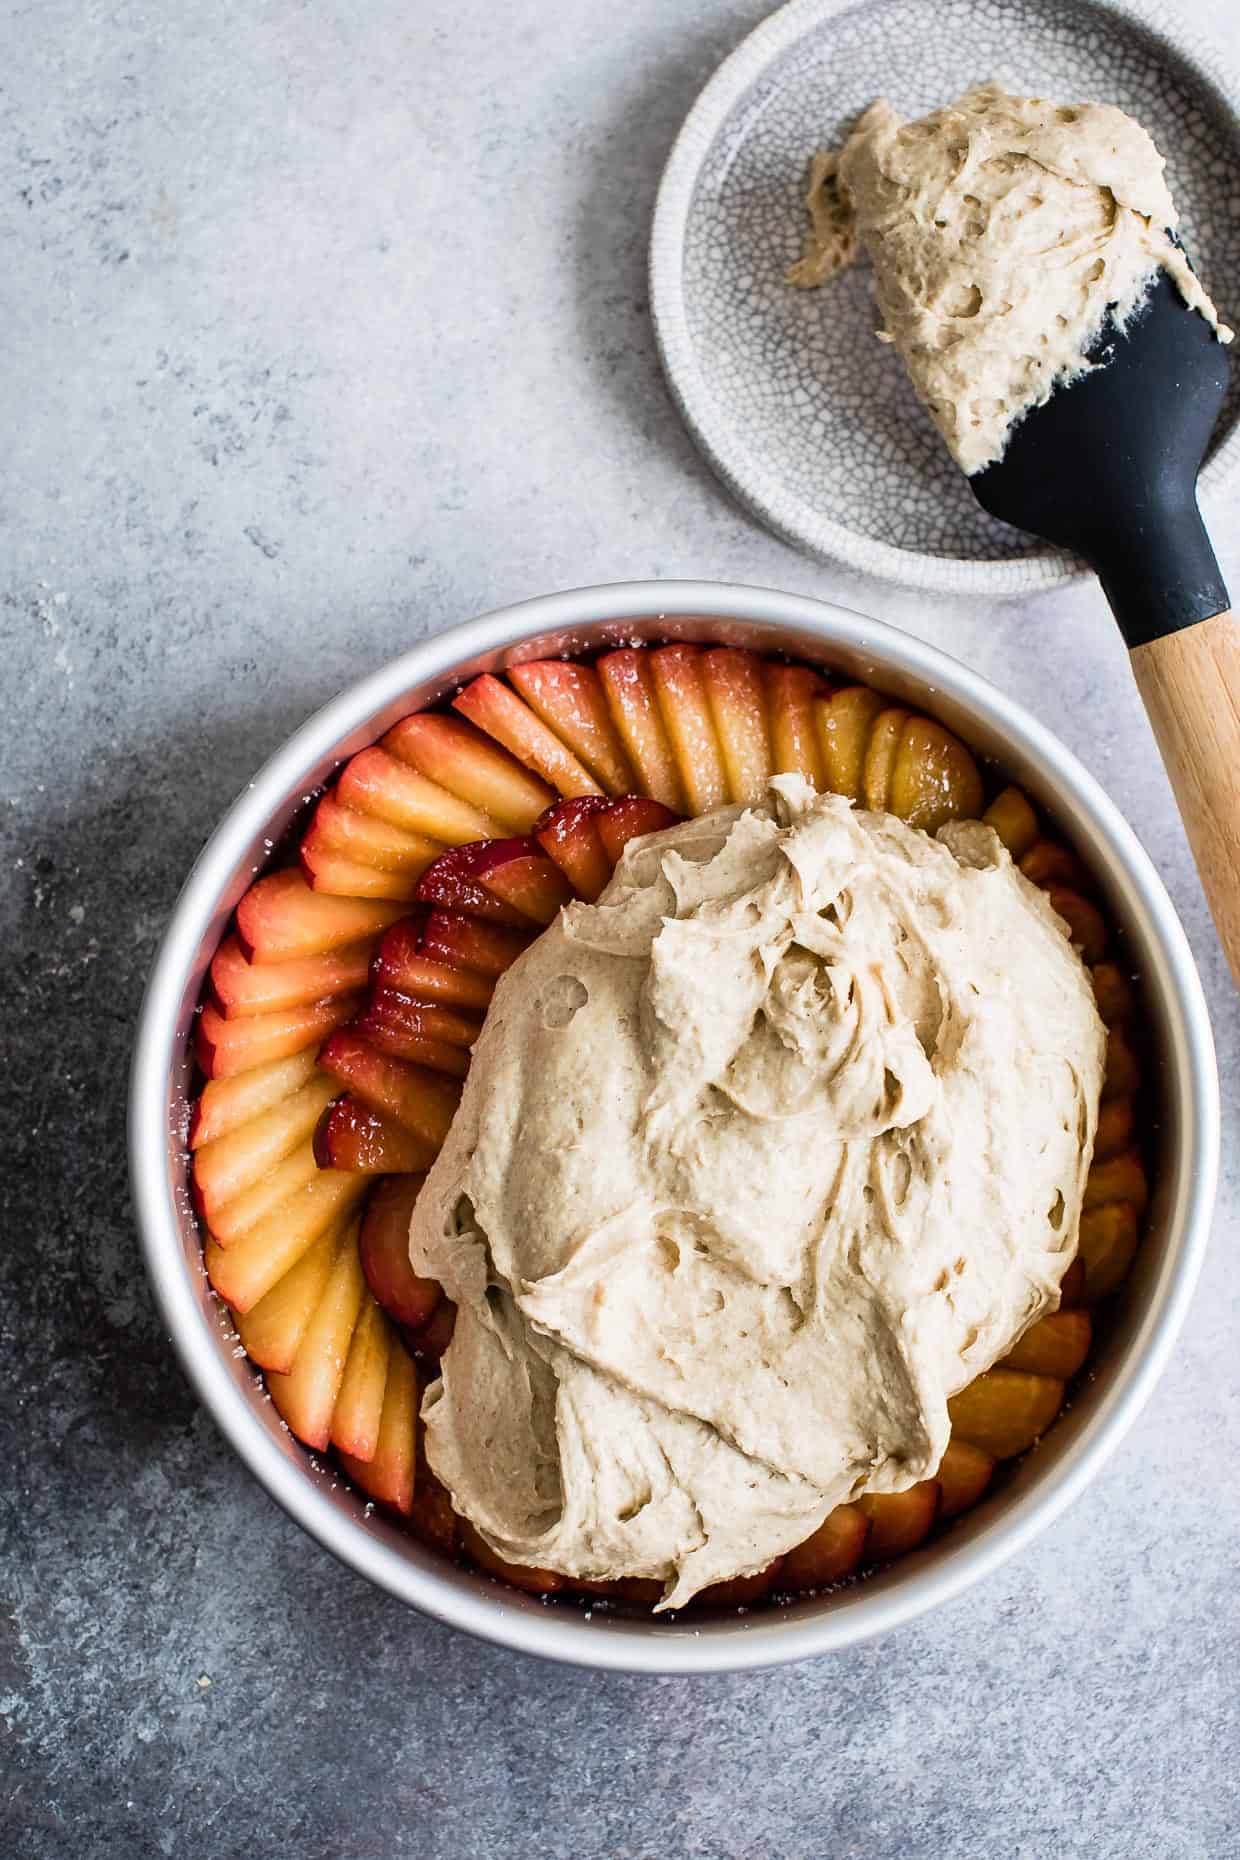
804	415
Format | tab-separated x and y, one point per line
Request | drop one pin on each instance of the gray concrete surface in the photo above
323	327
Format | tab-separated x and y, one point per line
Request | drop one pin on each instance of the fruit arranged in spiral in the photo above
339	1017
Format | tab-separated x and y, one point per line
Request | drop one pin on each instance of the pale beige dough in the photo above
759	1160
1000	230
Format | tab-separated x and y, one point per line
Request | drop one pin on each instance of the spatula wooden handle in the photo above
1190	684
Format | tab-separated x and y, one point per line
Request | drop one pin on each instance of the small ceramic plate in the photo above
806	417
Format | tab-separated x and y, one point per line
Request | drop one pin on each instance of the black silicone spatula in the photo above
1107	467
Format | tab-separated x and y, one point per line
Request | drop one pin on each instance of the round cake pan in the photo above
1133	1345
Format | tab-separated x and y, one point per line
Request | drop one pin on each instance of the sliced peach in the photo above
431	1339
644	1591
405	1295
934	779
352	1136
878	771
1108	1244
364	839
1115	1127
388	1476
280	918
327	874
414	974
272	1188
737	692
519	872
533	1581
899	1521
240	988
497	709
265	1252
829	1554
845	720
272	1330
359	1405
568	834
223	1168
467	943
1123	1072
1056	1345
1006	1410
1084	920
689	725
422	1020
376	782
306	1395
1118	1178
450	881
741	1591
796	746
393	1037
467	763
225	1104
1014	820
631	819
421	1101
1113	992
1047	863
431	1517
570	700
628	685
401	964
964	1473
1072	1285
226	1047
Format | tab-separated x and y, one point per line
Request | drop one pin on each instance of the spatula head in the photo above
1107	467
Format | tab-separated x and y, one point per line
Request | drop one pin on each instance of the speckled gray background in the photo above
323	326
